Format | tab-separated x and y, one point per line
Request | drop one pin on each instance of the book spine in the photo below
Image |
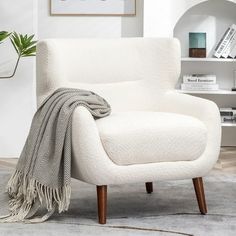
220	46
230	46
224	41
204	87
226	113
208	79
233	52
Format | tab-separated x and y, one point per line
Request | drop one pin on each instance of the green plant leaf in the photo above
13	43
22	40
29	52
24	44
4	35
16	42
30	38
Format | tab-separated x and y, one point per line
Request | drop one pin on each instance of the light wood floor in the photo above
226	162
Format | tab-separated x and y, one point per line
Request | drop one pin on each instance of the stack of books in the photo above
226	48
228	115
199	82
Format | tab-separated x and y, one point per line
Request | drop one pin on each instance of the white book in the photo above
224	41
201	87
233	52
199	79
227	109
230	46
221	45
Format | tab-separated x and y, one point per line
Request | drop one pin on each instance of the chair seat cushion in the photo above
150	137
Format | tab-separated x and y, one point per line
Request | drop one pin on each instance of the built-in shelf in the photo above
213	18
208	59
228	124
220	92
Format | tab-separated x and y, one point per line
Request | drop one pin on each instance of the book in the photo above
201	87
230	46
228	114
232	54
227	111
199	78
220	46
224	41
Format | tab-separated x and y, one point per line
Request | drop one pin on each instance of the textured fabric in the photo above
147	137
146	85
43	172
121	70
112	60
101	170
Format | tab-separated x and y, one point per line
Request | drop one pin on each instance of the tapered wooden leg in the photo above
102	203
199	190
149	187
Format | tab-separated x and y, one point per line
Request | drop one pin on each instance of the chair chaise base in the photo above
102	198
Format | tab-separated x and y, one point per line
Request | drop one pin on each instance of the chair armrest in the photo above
90	162
202	109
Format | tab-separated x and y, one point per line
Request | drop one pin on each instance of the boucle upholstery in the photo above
133	75
147	137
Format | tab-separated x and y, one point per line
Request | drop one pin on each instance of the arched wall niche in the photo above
189	4
211	16
161	17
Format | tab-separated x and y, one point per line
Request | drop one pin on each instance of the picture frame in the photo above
93	7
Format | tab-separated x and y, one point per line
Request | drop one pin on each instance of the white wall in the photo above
88	26
133	26
17	96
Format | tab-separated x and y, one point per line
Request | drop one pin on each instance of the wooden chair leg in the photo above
102	203
149	187
199	190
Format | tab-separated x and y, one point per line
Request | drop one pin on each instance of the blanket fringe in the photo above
28	194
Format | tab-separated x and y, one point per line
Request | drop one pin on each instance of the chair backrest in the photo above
125	71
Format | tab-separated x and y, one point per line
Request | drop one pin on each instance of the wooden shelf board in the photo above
217	92
207	59
228	124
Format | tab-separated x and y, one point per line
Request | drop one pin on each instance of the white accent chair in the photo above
154	133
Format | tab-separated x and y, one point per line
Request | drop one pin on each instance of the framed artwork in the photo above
93	7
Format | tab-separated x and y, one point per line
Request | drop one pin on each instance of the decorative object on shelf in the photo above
227	45
197	45
95	7
24	46
199	82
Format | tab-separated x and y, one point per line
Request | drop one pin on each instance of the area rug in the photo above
171	210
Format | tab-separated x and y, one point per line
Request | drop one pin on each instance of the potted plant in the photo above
24	46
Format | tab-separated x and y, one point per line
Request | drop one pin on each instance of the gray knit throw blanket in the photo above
43	173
